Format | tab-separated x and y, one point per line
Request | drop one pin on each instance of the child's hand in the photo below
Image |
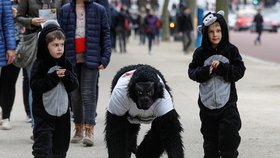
60	73
214	65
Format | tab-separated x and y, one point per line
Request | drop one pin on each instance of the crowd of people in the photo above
143	24
76	45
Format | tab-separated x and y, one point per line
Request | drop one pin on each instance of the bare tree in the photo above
223	5
165	22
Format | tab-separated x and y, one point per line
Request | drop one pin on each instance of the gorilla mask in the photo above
144	92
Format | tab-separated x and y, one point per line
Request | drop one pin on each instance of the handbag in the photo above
26	50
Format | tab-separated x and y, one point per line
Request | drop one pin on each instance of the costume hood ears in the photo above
209	19
48	24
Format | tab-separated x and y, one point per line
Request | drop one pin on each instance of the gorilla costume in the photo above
139	94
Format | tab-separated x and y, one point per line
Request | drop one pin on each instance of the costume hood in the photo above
43	54
209	19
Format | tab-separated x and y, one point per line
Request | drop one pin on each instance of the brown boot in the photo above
88	139
79	133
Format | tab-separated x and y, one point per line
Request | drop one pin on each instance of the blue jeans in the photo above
84	98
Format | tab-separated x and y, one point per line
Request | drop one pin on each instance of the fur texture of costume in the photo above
139	94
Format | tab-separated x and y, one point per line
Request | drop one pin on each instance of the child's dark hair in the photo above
56	34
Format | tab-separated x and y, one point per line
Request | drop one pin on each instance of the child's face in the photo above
56	48
215	34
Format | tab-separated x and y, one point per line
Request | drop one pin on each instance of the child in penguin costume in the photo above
52	78
216	65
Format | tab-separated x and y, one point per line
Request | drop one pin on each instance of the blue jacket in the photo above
98	44
7	30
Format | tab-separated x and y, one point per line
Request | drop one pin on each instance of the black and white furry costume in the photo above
150	103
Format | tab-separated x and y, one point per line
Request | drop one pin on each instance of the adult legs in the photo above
89	79
258	39
77	109
84	101
189	41
150	41
184	41
25	92
8	78
113	39
142	37
28	70
122	41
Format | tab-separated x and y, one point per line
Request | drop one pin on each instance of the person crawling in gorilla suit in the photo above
139	94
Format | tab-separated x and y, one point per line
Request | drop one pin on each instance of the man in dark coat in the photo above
258	20
185	27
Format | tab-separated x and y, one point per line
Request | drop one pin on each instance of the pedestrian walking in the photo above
142	33
114	21
258	20
151	29
121	29
25	85
28	16
89	49
185	27
8	72
52	79
217	65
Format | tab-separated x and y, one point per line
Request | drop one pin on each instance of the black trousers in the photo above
220	132
51	135
8	79
25	92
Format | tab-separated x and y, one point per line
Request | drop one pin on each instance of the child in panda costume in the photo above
217	65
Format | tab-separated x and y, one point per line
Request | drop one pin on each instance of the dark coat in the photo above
184	22
151	24
258	19
7	30
98	43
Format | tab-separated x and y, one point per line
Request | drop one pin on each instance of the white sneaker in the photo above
28	119
6	125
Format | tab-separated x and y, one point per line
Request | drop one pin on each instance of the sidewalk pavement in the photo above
258	104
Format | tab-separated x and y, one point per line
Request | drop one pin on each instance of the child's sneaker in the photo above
6	125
